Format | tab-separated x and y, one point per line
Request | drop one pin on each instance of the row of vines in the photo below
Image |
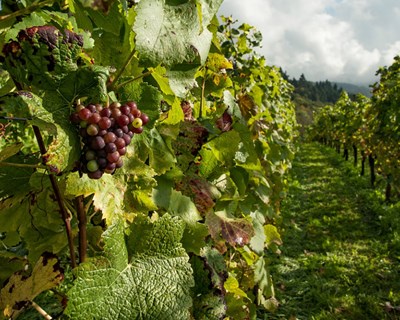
143	152
368	128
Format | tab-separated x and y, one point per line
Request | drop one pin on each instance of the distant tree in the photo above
321	91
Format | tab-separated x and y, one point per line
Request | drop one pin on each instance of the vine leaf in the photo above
103	5
234	231
175	34
161	39
149	269
64	147
9	151
123	194
265	287
20	289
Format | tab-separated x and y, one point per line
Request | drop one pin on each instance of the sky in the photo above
335	40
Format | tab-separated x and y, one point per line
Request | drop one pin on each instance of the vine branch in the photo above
63	211
82	222
24	11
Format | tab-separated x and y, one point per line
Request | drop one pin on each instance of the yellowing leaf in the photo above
246	105
20	289
217	62
232	285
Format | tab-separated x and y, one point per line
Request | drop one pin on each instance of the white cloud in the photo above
324	39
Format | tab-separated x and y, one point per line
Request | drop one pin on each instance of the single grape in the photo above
123	120
90	155
131	117
83	124
137	130
91	107
110	137
125	129
119	133
102	162
106	112
104	123
132	105
127	139
115	105
110	168
110	147
120	143
92	129
125	109
97	143
145	118
122	151
84	114
99	107
92	166
95	175
95	118
102	132
113	157
115	113
137	123
136	113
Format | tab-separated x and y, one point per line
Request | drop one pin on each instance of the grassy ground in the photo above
336	260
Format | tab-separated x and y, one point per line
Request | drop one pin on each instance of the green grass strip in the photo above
340	257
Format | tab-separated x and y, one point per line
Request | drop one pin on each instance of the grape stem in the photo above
63	211
25	11
133	79
121	71
14	118
82	222
23	165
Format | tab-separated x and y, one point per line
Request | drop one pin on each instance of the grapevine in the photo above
368	126
165	148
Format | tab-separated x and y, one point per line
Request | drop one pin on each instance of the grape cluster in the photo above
105	134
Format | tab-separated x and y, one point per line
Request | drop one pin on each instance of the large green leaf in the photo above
175	34
169	32
152	283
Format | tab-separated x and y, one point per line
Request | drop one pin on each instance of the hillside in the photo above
354	89
308	96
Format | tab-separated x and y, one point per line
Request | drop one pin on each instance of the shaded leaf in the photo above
265	287
9	151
